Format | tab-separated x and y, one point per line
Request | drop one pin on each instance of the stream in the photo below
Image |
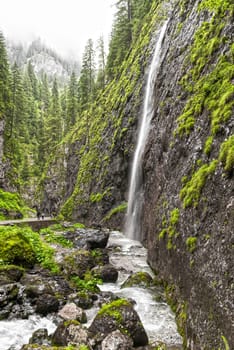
156	316
127	256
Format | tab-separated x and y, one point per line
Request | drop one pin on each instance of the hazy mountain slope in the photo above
43	59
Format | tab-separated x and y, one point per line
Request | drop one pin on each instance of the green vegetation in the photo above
169	227
191	243
113	309
120	208
53	237
140	278
179	308
226	155
23	247
214	91
216	5
88	283
227	347
11	205
208	145
191	191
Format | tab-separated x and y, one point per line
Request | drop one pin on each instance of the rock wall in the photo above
188	215
188	212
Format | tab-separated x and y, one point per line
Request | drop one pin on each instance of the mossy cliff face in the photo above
188	211
188	214
92	175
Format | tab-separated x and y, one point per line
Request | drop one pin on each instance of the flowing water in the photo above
15	333
135	197
127	256
156	316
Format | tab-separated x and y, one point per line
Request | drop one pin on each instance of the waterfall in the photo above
135	197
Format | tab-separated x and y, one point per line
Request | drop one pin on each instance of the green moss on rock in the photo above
190	193
140	278
226	155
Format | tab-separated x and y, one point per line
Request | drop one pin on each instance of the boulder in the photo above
72	312
77	263
119	315
88	238
8	298
70	333
46	304
8	292
107	273
138	279
117	341
83	299
10	274
97	239
40	337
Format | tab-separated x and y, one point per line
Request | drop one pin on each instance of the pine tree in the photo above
19	118
72	102
33	80
5	94
121	37
139	9
101	74
87	76
53	123
44	95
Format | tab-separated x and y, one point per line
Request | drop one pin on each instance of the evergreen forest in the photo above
38	115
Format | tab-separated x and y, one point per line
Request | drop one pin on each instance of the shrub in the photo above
24	247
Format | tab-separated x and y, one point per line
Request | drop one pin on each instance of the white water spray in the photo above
135	197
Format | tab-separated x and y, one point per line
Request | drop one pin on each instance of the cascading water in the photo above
135	197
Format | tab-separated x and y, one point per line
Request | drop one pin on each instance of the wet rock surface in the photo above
42	293
200	276
120	317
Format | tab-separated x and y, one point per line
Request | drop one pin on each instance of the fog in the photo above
64	26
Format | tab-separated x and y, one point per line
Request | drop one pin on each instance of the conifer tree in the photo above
54	128
121	36
87	76
5	94
19	118
33	80
72	102
101	75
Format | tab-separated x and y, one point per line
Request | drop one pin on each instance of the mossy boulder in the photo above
138	279
16	249
78	263
84	299
119	315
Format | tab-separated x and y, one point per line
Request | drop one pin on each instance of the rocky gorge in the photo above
56	306
187	187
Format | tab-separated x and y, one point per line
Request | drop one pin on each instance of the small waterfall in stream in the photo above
135	197
128	256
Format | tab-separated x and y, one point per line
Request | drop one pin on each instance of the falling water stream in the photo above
135	196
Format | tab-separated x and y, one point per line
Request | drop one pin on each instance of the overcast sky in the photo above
64	25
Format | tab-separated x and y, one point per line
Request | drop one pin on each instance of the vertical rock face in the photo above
188	211
188	215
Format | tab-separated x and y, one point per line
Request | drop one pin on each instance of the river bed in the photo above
156	316
127	256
